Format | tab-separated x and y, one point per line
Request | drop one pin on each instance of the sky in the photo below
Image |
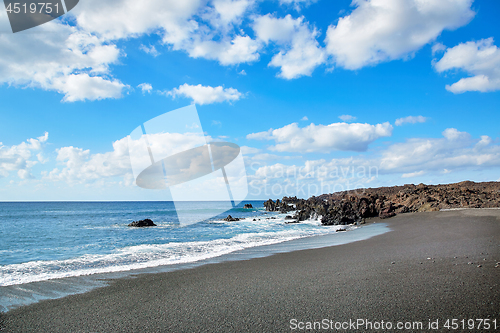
320	95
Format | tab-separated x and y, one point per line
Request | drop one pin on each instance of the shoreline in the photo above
33	292
386	277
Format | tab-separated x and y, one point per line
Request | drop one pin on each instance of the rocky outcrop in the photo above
353	206
229	218
142	223
280	206
248	206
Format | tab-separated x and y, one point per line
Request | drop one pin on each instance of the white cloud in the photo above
410	120
205	94
298	4
191	25
242	72
80	166
454	151
300	52
413	174
383	30
229	11
18	158
452	134
245	150
321	138
438	48
75	60
480	59
304	118
118	19
150	50
145	87
347	118
65	60
240	49
79	87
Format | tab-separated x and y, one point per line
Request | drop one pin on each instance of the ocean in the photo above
52	249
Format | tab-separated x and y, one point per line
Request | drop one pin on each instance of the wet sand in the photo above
432	266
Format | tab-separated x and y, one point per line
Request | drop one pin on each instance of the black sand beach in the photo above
432	267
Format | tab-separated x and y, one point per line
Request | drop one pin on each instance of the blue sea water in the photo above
52	241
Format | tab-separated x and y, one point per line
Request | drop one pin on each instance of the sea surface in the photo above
50	249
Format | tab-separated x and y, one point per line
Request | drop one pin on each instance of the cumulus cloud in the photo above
230	11
67	60
298	4
321	138
145	87
480	59
75	60
205	94
304	118
80	87
118	19
300	52
413	174
438	48
455	150
246	150
410	120
191	26
80	166
20	158
150	50
347	118
383	30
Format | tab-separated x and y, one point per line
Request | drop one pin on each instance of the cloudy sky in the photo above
321	95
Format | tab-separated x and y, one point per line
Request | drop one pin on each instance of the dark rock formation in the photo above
142	223
248	206
229	218
353	206
280	206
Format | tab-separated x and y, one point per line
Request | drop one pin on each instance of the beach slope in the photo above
431	267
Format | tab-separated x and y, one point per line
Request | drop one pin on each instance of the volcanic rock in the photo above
353	206
142	223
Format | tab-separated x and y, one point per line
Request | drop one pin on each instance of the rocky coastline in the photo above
354	206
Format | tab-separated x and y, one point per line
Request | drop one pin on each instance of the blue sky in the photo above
408	90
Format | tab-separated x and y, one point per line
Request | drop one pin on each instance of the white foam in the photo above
150	255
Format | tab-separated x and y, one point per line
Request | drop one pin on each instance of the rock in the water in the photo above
142	223
288	217
229	218
248	206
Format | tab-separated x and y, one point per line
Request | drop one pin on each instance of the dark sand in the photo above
387	277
